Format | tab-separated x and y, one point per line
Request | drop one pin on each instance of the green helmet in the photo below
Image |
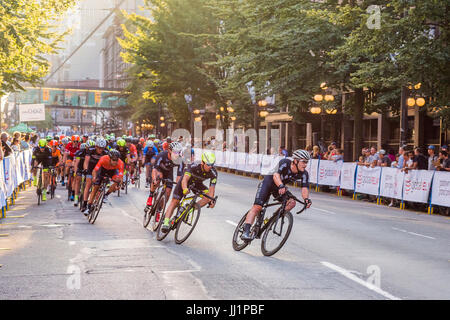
107	136
42	143
121	143
124	136
90	143
152	136
209	158
49	138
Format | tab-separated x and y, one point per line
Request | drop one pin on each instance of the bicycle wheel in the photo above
186	224
39	192
137	180
126	184
53	187
276	234
156	225
238	243
97	206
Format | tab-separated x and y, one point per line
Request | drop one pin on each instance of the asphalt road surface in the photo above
338	249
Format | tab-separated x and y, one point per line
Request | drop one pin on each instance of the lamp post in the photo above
188	99
321	99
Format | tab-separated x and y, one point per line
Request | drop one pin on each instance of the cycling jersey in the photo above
80	154
94	157
149	154
55	157
164	165
124	152
105	169
43	156
72	150
139	149
197	177
133	151
268	187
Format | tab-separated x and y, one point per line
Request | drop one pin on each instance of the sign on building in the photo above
32	112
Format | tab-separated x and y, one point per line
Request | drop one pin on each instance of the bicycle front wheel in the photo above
186	224
158	218
276	234
97	206
238	243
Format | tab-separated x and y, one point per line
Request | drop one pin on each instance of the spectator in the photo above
444	148
394	164
432	157
309	148
338	156
391	155
15	146
362	158
33	141
444	161
24	143
283	152
408	161
401	160
373	157
384	161
316	153
5	146
419	160
330	152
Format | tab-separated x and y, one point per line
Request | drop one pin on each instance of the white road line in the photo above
413	233
232	223
351	276
180	271
323	210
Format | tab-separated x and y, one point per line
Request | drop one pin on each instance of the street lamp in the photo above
411	102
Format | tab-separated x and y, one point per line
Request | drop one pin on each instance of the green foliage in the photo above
26	34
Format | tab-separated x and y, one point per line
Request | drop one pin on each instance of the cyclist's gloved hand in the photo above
185	191
308	202
282	189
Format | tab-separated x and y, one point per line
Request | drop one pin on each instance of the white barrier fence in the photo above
14	170
422	186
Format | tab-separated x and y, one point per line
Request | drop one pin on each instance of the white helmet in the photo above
150	144
176	147
301	155
100	142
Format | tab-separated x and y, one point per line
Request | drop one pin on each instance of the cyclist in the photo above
158	145
85	137
93	155
69	154
108	166
194	175
150	152
42	154
56	156
288	171
140	147
133	157
124	155
163	169
78	164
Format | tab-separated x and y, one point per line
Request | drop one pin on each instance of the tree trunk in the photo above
358	111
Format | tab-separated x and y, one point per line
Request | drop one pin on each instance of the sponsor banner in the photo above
368	180
241	158
197	154
2	185
391	183
267	164
329	173
440	194
417	185
313	169
9	183
19	168
219	158
31	112
348	171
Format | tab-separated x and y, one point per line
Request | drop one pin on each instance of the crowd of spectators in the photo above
16	143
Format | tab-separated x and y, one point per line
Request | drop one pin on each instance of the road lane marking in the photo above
232	223
351	276
413	233
180	271
323	210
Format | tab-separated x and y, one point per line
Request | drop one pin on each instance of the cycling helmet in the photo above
156	141
83	146
209	158
176	147
112	138
90	143
142	140
128	140
49	138
150	144
135	141
101	143
53	143
124	136
65	140
85	135
301	155
114	154
75	138
121	143
152	136
62	137
56	138
42	143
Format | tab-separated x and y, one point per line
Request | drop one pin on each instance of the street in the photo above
338	249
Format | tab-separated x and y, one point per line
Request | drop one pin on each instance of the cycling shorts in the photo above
167	175
266	188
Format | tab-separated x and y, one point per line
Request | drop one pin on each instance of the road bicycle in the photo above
270	229
98	201
53	183
70	179
82	187
186	218
137	176
154	213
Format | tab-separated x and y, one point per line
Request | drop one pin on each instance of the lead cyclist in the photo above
288	171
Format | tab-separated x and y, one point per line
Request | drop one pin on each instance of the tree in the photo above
26	34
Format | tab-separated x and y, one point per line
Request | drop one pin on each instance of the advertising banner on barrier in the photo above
440	194
266	164
241	159
18	158
329	173
348	171
9	182
252	160
313	170
368	180
391	183
2	186
417	185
